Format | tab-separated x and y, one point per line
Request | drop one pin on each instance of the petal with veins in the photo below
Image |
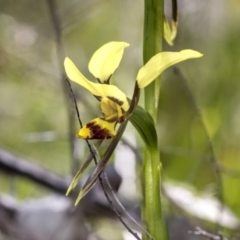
106	59
158	63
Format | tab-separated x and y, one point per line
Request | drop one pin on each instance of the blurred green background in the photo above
199	103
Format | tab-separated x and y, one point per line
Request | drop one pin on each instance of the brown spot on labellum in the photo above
97	132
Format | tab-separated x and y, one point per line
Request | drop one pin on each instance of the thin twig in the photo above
113	208
200	232
124	209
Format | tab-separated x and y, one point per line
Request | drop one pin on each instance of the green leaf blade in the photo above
144	124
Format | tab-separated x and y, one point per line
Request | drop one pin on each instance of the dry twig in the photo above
200	232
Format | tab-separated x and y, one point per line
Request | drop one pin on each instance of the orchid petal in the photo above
106	59
98	128
158	63
98	90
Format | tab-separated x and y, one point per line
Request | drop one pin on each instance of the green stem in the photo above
152	213
151	209
152	44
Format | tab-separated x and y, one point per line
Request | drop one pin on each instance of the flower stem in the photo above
151	209
152	44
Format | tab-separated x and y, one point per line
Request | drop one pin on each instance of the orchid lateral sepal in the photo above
102	163
83	168
161	61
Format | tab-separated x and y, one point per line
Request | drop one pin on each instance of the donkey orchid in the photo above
113	102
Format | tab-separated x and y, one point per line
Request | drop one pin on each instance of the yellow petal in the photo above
98	128
167	32
99	90
106	59
170	34
158	63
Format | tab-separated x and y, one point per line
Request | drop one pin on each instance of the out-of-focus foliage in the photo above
215	87
33	115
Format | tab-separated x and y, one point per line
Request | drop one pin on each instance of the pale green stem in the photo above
152	213
152	44
151	209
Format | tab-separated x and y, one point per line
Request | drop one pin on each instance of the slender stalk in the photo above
152	44
152	213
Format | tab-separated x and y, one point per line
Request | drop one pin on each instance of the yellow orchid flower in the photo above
113	102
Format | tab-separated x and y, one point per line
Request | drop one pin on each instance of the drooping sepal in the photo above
83	167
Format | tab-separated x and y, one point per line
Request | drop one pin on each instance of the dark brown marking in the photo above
117	101
104	81
97	132
98	98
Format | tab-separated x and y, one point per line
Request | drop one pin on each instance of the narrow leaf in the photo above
144	124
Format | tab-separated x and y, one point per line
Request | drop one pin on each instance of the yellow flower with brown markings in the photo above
113	102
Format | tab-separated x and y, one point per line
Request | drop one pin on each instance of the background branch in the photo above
18	166
200	232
